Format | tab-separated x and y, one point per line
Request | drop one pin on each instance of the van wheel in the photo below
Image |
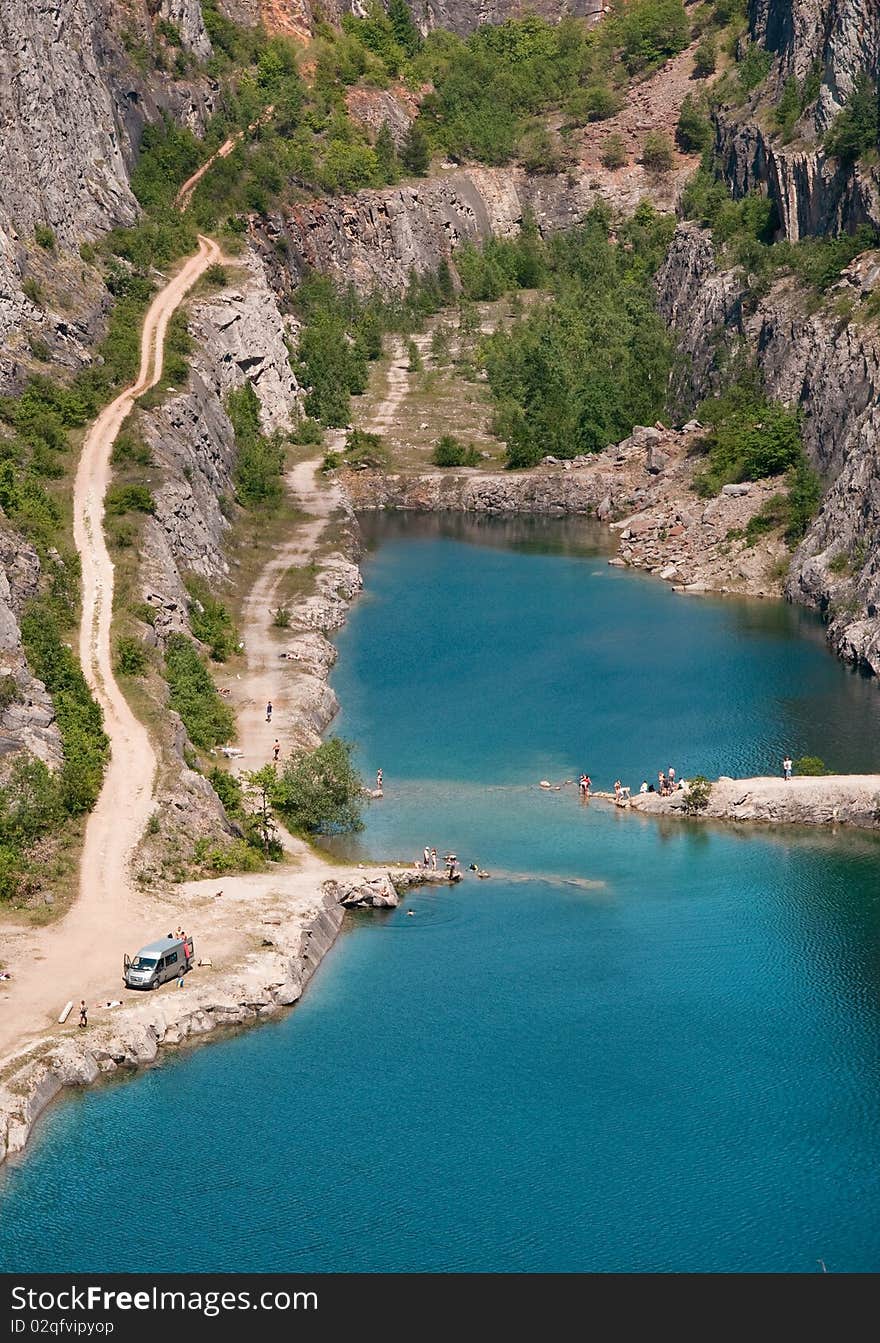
155	984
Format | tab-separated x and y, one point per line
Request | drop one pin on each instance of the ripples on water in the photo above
637	1046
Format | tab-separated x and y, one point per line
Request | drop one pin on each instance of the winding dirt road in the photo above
80	957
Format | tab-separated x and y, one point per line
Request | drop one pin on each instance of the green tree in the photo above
693	133
657	152
415	152
613	154
387	162
651	31
320	792
706	57
856	129
262	785
405	31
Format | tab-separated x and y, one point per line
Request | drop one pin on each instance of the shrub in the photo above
130	449
657	152
697	795
210	621
856	129
131	657
79	717
228	789
363	449
614	153
281	618
320	791
33	290
810	765
651	31
694	132
749	438
596	102
754	66
216	275
259	466
122	499
308	432
9	692
450	452
415	363
415	153
706	57
208	721
44	236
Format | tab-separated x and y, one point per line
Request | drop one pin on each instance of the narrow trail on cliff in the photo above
83	952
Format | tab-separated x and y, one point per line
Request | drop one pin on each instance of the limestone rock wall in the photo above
376	239
27	721
829	369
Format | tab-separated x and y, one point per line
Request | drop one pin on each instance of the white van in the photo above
157	963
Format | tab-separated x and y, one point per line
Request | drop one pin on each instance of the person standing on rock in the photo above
379	780
671	777
276	749
426	853
433	860
269	712
786	768
83	1013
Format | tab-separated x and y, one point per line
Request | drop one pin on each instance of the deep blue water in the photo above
638	1046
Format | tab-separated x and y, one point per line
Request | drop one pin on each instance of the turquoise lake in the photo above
639	1046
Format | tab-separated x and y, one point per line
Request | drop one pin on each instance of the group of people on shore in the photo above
429	863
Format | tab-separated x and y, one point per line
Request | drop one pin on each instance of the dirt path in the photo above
268	677
184	195
81	955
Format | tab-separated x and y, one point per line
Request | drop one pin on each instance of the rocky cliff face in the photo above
376	239
298	18
827	367
27	717
240	337
839	39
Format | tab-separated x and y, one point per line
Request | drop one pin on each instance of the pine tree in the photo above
405	31
415	154
386	155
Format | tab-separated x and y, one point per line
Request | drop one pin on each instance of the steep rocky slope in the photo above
298	18
827	367
839	40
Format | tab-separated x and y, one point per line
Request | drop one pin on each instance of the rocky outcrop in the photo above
240	337
298	18
829	368
840	37
814	194
186	16
27	715
377	239
831	800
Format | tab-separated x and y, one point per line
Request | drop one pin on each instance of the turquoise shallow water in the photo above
637	1047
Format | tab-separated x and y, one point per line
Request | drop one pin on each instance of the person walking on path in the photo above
83	1013
276	749
269	712
786	768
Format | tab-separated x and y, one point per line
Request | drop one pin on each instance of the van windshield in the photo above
144	963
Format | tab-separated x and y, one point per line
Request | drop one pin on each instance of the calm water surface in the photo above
638	1046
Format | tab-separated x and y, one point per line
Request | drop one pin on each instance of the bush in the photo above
754	66
415	153
651	31
320	791
122	499
130	449
706	57
415	363
79	717
281	618
363	449
811	766
9	692
208	721
657	153
131	657
856	129
614	152
259	467
694	132
210	621
697	795
44	236
749	438
308	432
596	102
450	452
